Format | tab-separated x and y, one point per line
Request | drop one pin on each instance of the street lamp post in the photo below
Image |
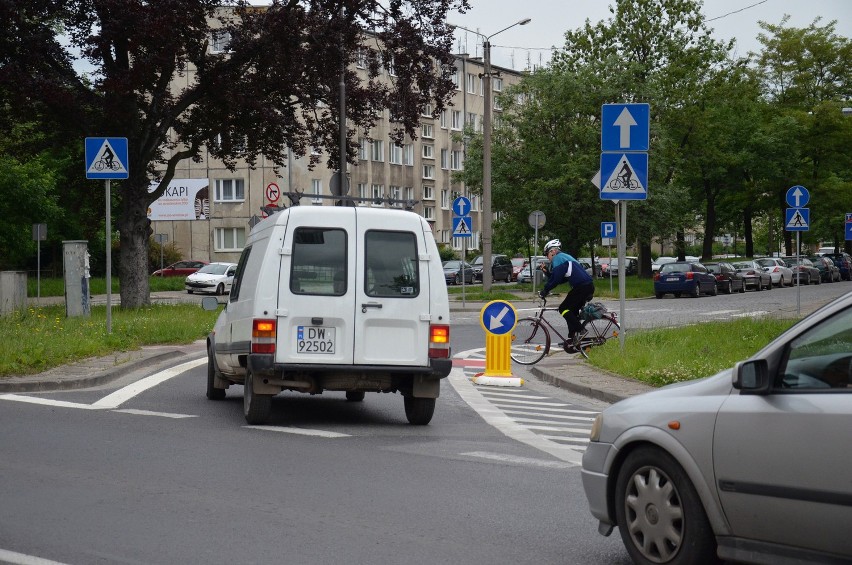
487	216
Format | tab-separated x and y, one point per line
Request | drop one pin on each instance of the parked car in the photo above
453	272
214	278
843	262
501	268
778	270
803	270
746	465
683	277
525	275
179	269
728	279
825	250
828	271
597	265
753	275
518	263
631	266
660	261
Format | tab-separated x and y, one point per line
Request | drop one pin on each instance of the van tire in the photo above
355	395
419	411
256	407
213	393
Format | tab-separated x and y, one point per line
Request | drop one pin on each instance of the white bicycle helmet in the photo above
551	244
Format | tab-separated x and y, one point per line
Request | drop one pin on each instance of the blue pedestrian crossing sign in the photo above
461	226
625	127
624	176
797	219
106	158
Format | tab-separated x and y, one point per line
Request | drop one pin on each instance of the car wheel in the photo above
256	407
509	277
457	279
659	295
819	280
355	395
742	288
189	292
677	295
220	290
213	393
715	290
730	289
658	512
419	411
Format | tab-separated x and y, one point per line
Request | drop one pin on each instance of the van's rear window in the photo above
319	262
391	264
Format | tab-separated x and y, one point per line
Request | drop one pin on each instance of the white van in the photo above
334	298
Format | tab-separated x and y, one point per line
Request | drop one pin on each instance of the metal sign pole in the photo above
108	261
799	279
622	244
464	269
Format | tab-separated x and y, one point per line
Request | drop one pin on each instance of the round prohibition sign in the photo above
273	193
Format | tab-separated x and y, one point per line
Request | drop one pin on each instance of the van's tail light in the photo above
263	336
439	341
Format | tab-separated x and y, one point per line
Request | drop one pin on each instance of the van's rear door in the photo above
392	290
316	290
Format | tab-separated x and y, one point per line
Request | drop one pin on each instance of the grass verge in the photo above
663	356
43	337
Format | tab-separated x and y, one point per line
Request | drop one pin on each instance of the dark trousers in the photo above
570	307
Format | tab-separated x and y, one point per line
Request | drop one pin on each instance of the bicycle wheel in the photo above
530	341
596	332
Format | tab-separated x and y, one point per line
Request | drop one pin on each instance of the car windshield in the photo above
452	264
675	268
743	266
713	267
766	262
518	261
214	269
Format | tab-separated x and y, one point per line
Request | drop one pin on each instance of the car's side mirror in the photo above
752	377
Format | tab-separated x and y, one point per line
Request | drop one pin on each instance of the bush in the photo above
171	254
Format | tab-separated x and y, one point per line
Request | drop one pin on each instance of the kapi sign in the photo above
184	199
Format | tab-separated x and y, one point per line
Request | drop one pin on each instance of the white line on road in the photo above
22	559
122	395
298	431
45	401
558	416
150	413
717	312
751	314
526	402
520	460
512	394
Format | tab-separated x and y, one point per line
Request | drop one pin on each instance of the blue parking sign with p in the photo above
608	230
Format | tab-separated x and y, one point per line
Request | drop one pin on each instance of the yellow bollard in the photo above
498	319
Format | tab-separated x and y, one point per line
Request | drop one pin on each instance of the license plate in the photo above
672	279
315	339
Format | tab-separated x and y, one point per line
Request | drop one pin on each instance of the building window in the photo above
230	239
471	119
230	190
428	111
389	64
443	119
498	84
445	158
445	198
445	236
316	190
456	161
408	193
221	42
428	151
361	58
456	78
395	154
427	130
408	154
363	148
428	171
428	192
362	193
378	192
394	193
471	83
429	212
378	152
457	120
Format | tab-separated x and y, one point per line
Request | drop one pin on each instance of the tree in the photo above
156	82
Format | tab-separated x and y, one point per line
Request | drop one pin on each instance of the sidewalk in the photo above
569	372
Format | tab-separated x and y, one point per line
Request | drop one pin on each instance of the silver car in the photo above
752	464
778	270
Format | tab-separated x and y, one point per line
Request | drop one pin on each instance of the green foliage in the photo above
42	338
447	252
171	254
664	356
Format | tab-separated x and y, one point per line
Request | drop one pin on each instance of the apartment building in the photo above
209	209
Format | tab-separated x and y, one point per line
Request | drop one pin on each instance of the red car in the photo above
179	269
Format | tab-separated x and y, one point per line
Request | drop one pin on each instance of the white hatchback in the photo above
750	465
215	278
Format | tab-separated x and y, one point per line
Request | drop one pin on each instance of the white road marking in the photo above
751	314
527	402
23	559
717	312
496	418
557	416
122	395
557	429
298	431
150	413
568	438
512	394
520	460
45	401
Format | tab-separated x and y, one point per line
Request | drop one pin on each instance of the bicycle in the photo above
531	336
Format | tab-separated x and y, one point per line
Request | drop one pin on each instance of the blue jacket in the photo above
564	268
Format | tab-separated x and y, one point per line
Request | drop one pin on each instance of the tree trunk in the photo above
135	233
645	260
680	245
749	234
709	225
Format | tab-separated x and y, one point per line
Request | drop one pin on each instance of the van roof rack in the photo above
344	200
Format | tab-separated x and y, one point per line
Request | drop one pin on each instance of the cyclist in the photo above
564	268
